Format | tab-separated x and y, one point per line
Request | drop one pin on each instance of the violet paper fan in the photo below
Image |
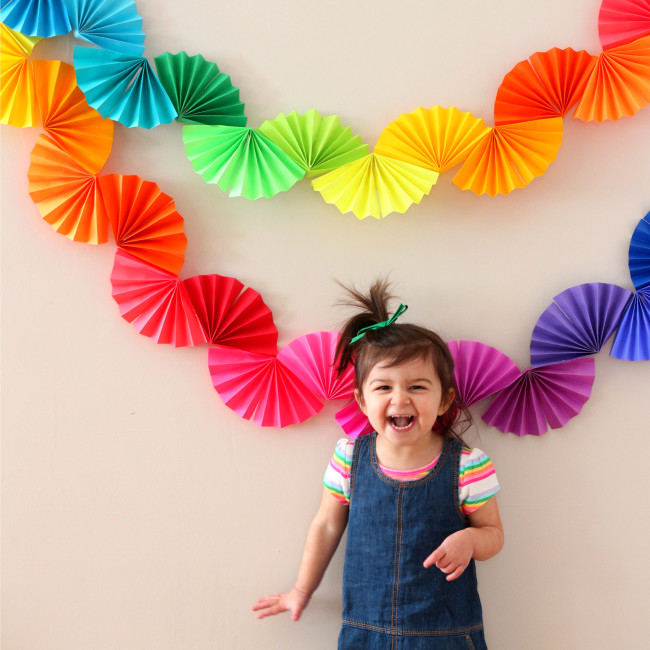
542	397
353	421
632	340
639	254
578	323
260	388
231	315
480	370
154	302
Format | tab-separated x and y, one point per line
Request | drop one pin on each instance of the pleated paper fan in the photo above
231	315
311	358
199	91
353	421
260	388
67	195
36	17
240	160
436	138
639	254
318	144
632	340
154	302
375	186
623	21
123	88
578	323
76	128
619	84
111	24
480	370
547	85
510	156
542	397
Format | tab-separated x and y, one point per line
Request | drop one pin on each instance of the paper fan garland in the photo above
632	340
240	160
123	88
199	91
375	186
260	388
619	84
144	221
318	144
353	421
639	254
546	85
154	302
436	138
543	397
623	21
510	156
36	17
111	24
231	315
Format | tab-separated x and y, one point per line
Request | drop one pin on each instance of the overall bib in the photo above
390	601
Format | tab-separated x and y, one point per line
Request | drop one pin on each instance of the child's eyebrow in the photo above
421	380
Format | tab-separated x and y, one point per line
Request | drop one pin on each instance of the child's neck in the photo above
407	457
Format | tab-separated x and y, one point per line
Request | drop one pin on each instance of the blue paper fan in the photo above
123	88
632	340
42	18
639	255
112	24
577	323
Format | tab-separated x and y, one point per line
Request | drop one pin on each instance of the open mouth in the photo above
401	422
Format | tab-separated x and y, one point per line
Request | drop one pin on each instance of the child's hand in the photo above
453	555
293	601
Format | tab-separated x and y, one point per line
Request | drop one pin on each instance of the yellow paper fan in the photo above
436	138
510	156
375	186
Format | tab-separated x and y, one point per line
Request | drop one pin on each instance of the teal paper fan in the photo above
121	87
35	18
318	144
199	91
240	160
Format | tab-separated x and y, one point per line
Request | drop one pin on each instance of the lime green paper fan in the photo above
200	92
318	144
375	186
240	160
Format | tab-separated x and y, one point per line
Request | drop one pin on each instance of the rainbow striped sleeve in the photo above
477	482
337	474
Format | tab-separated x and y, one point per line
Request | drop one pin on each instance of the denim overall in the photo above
390	601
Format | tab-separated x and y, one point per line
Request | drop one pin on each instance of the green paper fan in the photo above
200	92
241	160
318	144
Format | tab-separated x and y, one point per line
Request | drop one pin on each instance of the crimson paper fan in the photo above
353	421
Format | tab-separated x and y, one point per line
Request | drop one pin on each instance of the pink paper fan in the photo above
480	370
353	421
154	302
230	316
311	358
623	21
260	388
551	394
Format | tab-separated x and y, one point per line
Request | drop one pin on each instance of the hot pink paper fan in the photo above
353	421
623	21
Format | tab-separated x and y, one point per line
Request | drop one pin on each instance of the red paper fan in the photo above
232	317
353	421
623	21
144	221
154	302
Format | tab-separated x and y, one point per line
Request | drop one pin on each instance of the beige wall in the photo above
140	513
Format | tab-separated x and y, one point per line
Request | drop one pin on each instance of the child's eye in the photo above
417	387
382	387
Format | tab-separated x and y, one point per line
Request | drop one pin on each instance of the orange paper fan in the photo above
76	127
619	84
510	156
144	220
67	195
546	85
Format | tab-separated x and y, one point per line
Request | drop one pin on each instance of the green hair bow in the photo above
385	323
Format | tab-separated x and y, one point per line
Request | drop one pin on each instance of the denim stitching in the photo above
398	632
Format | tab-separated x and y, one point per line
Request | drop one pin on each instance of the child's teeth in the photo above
401	421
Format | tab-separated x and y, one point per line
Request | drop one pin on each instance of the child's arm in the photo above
481	541
323	538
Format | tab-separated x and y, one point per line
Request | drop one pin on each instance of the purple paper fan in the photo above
353	421
577	323
639	255
542	397
632	340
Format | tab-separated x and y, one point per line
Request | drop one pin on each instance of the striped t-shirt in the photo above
477	480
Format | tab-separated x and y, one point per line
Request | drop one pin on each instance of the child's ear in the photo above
445	403
359	397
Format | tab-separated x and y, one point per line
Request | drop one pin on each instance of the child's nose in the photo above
400	396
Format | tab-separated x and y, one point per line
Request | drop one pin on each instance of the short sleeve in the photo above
337	474
477	481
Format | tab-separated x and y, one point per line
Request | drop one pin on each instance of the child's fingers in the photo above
456	573
434	558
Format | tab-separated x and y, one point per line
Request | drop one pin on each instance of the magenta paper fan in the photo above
311	358
480	370
260	388
154	302
542	397
623	21
353	421
231	315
